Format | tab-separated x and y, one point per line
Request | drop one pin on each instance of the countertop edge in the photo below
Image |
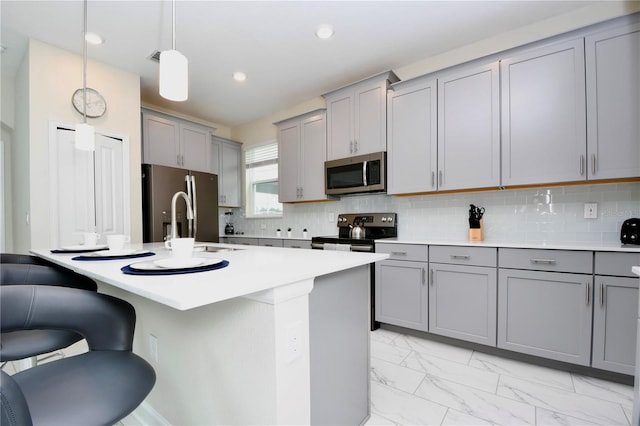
525	245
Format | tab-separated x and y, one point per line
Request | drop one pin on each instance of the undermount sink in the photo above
212	248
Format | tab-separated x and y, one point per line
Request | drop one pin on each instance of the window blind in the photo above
262	155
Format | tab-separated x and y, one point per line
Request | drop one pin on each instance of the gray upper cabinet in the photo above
357	117
613	103
171	141
302	145
543	115
469	128
412	137
226	160
462	298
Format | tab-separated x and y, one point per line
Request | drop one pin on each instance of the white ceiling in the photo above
272	41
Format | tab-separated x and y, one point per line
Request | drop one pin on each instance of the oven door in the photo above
366	248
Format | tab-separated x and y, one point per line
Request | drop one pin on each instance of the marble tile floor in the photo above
421	382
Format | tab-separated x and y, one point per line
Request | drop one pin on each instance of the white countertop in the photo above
251	269
270	236
576	245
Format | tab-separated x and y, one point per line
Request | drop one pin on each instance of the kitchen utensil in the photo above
357	231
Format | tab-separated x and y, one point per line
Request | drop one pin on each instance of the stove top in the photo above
376	225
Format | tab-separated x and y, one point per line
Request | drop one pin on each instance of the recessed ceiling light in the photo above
324	32
239	76
93	38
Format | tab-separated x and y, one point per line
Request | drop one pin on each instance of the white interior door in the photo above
89	190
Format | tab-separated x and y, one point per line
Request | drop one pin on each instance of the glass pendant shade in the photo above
174	76
85	138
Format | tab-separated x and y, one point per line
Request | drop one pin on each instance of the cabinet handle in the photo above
544	261
295	247
433	179
350	147
461	256
588	294
601	294
178	159
440	177
424	276
593	164
581	165
399	253
431	280
355	146
268	245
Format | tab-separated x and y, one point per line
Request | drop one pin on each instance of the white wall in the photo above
44	85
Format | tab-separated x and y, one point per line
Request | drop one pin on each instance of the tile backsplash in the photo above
553	214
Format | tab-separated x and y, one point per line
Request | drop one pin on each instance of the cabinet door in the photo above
543	115
412	139
288	161
340	120
230	169
613	103
469	129
401	294
313	152
161	141
370	118
195	148
547	314
614	324
462	302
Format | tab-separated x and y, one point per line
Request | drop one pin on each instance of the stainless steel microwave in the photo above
354	175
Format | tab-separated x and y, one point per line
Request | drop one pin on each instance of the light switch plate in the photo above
590	210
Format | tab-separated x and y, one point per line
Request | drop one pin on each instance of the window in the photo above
261	164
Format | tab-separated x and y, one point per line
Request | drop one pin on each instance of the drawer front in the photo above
270	242
413	252
546	260
616	263
461	255
302	244
242	241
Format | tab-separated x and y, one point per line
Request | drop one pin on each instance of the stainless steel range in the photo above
359	232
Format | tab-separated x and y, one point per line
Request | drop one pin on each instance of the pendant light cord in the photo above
173	26
84	65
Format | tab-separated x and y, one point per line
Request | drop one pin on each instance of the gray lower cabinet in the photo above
615	312
614	324
463	292
270	242
401	293
462	302
242	241
547	314
301	244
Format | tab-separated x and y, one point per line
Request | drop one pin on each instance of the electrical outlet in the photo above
293	341
332	217
263	226
153	348
590	210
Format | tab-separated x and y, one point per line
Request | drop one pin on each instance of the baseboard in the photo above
144	415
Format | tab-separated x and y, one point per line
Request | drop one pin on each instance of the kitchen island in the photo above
280	336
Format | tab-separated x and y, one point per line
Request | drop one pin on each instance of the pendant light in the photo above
174	69
85	138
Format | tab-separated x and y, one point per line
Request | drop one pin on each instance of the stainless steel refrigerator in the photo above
159	184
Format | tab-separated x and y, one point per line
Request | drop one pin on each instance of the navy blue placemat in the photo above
124	256
127	269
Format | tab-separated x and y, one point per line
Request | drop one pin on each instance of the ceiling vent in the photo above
155	56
